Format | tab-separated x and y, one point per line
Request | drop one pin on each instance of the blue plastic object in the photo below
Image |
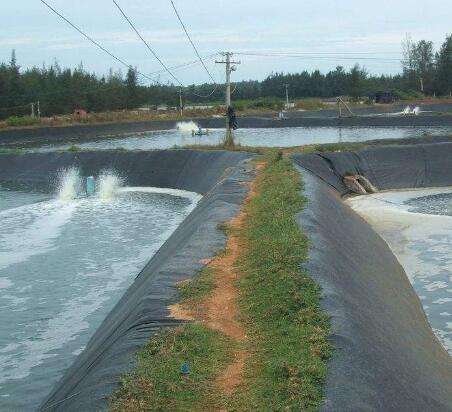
185	369
90	185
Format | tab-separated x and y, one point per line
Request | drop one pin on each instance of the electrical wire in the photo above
191	42
155	54
337	56
184	65
146	43
316	52
97	44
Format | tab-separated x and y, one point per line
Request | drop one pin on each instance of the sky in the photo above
324	33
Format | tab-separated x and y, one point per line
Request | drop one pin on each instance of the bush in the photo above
408	94
310	104
15	121
271	103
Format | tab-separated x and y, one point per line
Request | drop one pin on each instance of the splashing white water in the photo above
108	185
192	196
187	127
69	184
406	111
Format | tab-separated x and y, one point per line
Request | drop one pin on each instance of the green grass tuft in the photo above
194	290
280	302
16	121
157	384
280	308
73	148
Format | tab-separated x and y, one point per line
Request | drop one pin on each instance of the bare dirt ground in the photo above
220	310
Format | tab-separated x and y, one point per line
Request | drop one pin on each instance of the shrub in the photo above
22	121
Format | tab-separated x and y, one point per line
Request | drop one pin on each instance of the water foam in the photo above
32	230
108	184
69	184
94	284
187	127
421	242
192	196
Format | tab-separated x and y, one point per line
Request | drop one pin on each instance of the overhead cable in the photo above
191	41
96	43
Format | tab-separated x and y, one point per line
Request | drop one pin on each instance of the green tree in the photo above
336	81
132	88
357	78
418	65
13	85
444	68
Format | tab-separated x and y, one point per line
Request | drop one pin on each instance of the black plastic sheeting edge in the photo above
80	133
142	311
390	167
386	357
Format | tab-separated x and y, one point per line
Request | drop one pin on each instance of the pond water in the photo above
64	262
417	225
270	137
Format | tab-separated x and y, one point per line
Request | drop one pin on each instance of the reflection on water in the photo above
417	225
283	137
63	266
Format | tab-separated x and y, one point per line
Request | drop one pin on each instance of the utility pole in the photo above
180	102
39	110
32	110
422	84
339	102
287	96
229	69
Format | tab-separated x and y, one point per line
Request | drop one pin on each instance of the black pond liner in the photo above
35	136
220	176
386	357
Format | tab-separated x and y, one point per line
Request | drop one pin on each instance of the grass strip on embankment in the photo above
280	302
280	362
157	383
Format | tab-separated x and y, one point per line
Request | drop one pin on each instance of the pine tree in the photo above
444	68
13	85
132	88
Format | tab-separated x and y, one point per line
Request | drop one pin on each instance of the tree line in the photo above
61	90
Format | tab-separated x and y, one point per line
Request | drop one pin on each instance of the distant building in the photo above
383	97
147	108
198	107
80	113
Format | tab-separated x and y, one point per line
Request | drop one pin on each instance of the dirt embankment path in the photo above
220	310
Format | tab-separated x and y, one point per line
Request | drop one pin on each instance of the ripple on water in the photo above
63	266
417	225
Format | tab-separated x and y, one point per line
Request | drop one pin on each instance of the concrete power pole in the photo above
229	69
180	102
287	96
32	110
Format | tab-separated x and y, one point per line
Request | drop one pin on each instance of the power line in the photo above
124	63
315	57
190	40
155	54
183	65
97	44
146	43
316	52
